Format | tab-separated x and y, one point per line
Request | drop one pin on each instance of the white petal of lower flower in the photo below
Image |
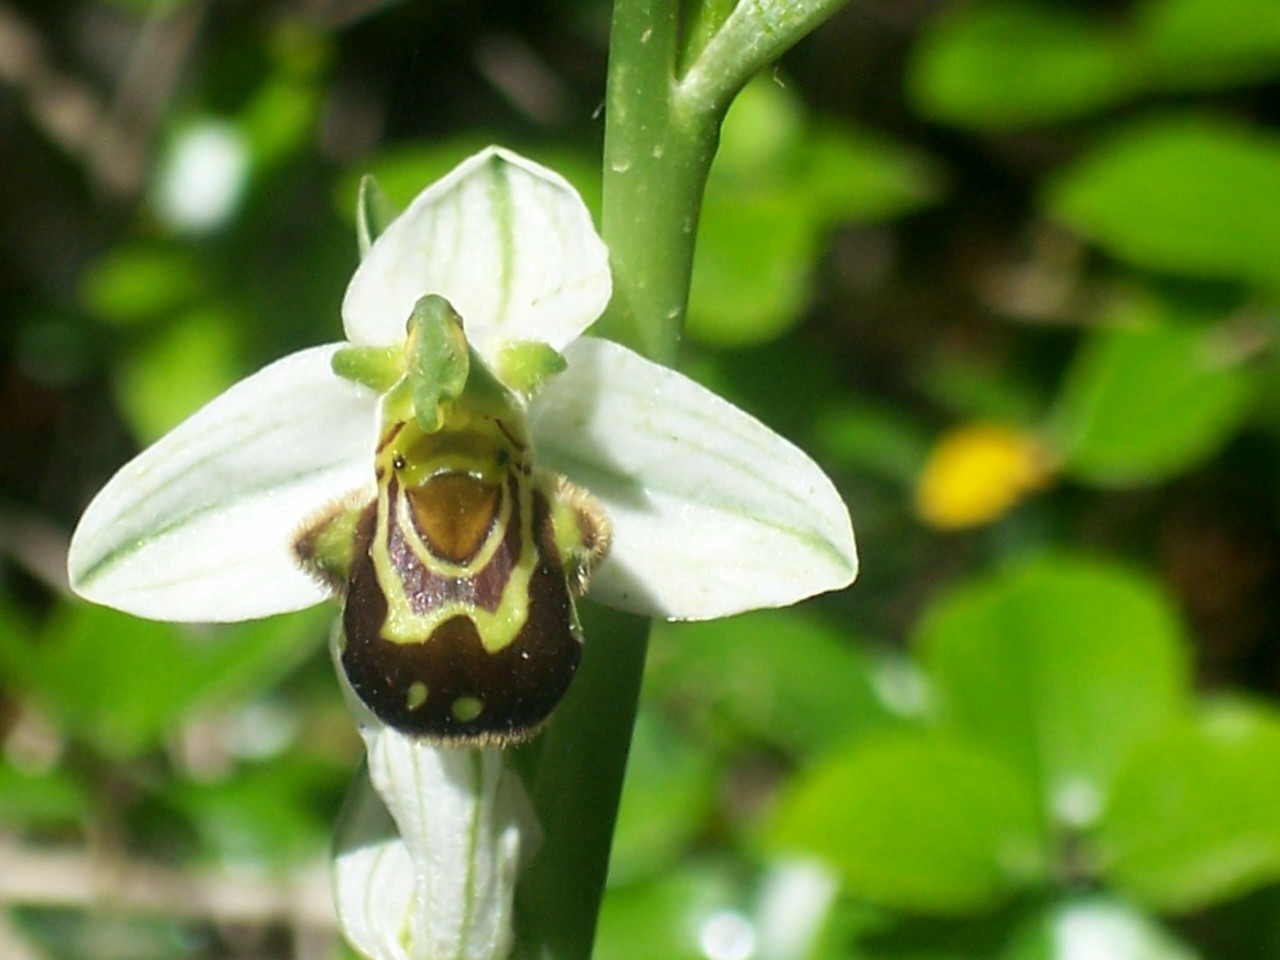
200	525
466	823
373	878
509	243
713	513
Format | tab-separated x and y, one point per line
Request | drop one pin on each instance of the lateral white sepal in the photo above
199	527
713	513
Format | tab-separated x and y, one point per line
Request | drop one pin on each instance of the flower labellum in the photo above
459	576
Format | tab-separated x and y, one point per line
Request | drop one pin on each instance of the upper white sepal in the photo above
508	242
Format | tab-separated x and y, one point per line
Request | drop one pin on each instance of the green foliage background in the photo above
1055	737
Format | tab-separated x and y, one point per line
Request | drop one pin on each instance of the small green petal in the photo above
525	365
438	357
378	368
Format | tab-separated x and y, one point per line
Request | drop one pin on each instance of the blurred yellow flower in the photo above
977	472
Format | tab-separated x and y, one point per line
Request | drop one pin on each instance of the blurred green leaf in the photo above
280	118
1193	819
780	183
279	812
1186	194
850	175
1194	44
64	933
667	917
916	822
972	387
880	440
1010	64
775	675
51	798
141	282
178	370
1061	666
752	268
762	135
1148	397
123	683
671	786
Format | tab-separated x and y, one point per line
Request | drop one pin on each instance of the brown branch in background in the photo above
74	878
66	110
111	136
517	72
120	155
38	545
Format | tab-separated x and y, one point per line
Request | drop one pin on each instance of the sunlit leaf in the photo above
916	822
52	798
179	369
1147	398
669	917
139	283
279	812
672	783
1009	64
1092	928
781	182
123	684
1184	194
1209	43
752	269
1061	666
1193	817
780	677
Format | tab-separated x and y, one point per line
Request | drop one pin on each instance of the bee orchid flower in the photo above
458	470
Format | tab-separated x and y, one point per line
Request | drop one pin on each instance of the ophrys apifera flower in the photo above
457	471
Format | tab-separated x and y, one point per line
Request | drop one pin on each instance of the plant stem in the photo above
754	34
661	128
656	159
576	787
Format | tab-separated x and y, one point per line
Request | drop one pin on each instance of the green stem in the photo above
663	111
576	787
655	166
756	33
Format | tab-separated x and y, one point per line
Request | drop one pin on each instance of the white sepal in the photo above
200	525
713	513
509	243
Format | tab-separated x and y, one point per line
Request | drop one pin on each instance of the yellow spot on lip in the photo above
416	696
466	709
977	473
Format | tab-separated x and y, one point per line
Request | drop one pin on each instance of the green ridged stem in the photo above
664	106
